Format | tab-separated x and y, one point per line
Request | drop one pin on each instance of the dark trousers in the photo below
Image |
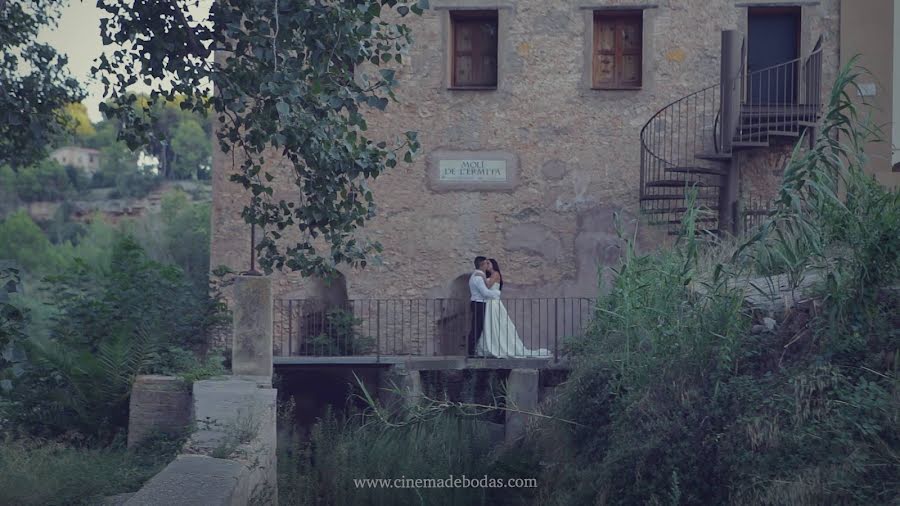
477	326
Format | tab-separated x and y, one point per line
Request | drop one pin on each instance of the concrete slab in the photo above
116	500
223	406
424	363
194	480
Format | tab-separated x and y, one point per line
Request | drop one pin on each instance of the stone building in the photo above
86	159
530	114
871	30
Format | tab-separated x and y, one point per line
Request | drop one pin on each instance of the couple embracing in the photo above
493	333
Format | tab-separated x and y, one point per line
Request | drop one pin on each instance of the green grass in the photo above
49	473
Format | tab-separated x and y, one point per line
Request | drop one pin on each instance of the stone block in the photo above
554	170
222	406
398	384
522	391
495	431
237	416
251	352
158	404
533	238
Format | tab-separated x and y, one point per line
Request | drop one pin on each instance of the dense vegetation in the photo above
683	393
180	144
87	317
298	79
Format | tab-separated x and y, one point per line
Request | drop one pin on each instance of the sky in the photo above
78	36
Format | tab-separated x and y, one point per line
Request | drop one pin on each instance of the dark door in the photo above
773	41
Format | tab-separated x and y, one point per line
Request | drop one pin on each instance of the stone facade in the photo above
575	149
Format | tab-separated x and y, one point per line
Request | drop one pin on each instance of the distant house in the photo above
86	159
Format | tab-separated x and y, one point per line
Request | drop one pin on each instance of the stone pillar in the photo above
408	382
251	350
158	404
522	388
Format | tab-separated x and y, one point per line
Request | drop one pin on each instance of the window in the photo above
617	50
474	49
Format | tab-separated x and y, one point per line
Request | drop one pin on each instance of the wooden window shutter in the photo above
474	50
617	50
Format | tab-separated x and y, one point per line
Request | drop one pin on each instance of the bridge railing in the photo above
526	327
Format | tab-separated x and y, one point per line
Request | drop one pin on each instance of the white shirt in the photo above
479	290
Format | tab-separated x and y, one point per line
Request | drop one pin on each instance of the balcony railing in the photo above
422	327
782	100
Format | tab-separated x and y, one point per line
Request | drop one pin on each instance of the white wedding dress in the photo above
500	339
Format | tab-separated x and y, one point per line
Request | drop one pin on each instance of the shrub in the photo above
323	470
339	336
136	317
23	241
680	404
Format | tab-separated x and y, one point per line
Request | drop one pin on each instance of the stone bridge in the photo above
230	457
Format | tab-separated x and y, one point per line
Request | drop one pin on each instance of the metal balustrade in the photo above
689	143
422	327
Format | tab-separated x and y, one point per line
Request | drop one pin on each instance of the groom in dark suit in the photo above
480	293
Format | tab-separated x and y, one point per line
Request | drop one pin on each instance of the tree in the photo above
9	199
191	146
285	79
35	87
78	118
294	76
23	241
106	133
47	180
116	160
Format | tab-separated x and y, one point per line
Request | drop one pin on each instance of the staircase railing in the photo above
670	143
684	144
781	100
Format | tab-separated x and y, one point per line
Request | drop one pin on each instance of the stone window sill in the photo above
475	88
618	88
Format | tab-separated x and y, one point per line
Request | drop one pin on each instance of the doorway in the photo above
773	40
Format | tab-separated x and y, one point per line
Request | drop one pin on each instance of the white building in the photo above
86	159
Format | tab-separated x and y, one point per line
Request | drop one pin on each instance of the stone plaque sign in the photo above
472	171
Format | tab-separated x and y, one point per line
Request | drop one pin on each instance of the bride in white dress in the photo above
500	338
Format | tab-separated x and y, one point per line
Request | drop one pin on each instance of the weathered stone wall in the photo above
762	171
159	404
576	150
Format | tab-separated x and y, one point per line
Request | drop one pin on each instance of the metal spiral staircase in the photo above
691	142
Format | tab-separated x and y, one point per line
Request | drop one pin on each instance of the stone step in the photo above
701	196
714	157
698	170
676	210
675	183
749	144
680	221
